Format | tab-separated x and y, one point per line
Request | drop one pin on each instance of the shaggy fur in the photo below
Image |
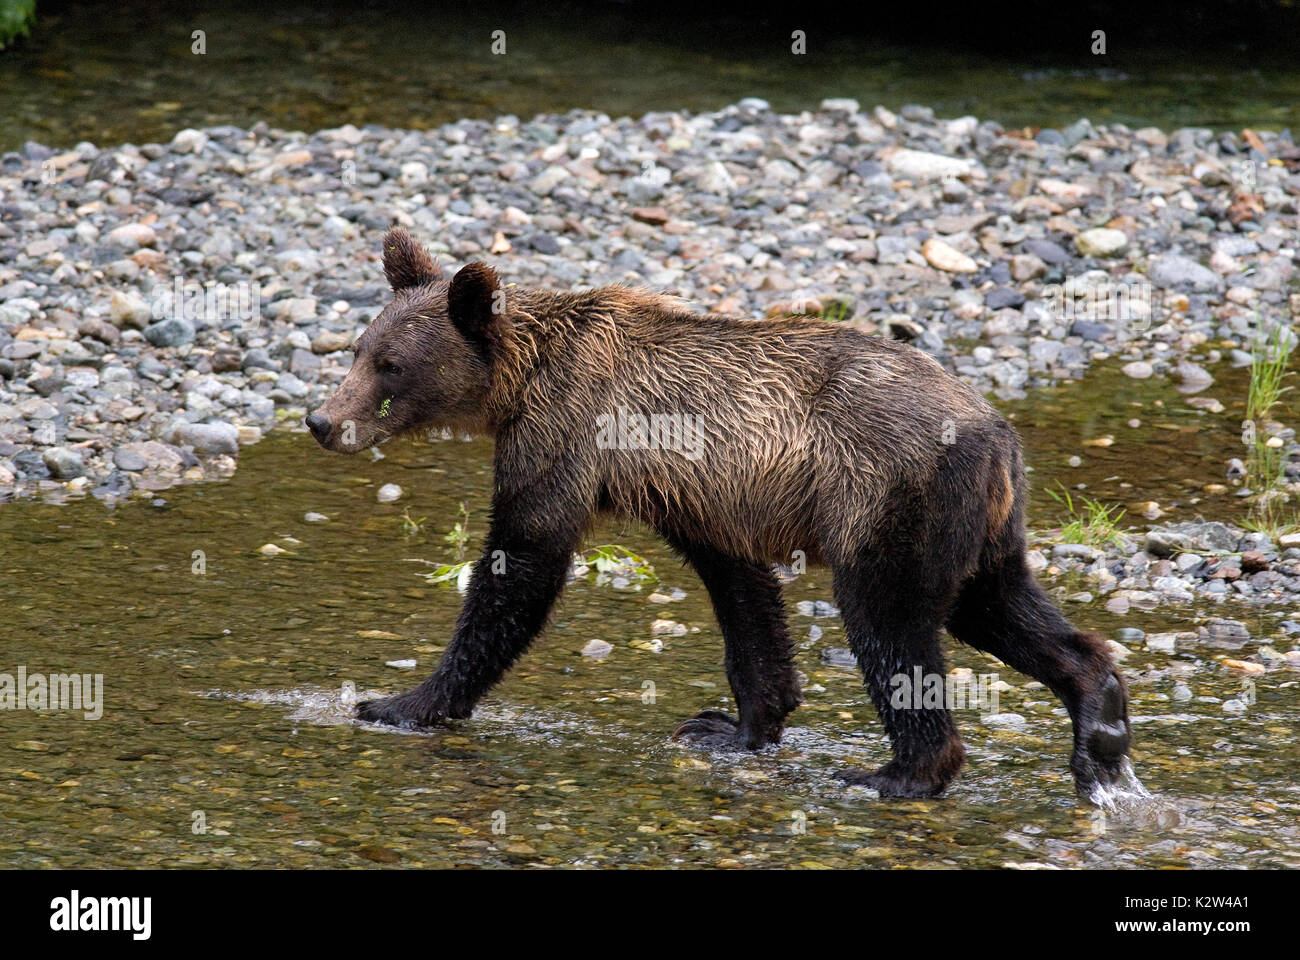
862	453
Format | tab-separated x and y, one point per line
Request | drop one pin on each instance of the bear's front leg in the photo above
759	655
511	593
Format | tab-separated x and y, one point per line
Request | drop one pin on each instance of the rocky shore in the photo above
162	305
1181	564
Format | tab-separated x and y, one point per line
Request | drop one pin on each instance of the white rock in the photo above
780	172
127	308
133	236
597	649
1220	262
516	217
414	173
840	105
345	134
941	256
189	140
291	261
920	165
963	126
1161	642
1063	190
667	628
1100	242
389	492
296	309
716	179
548	180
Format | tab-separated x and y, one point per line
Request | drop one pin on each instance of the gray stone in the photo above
1178	272
63	463
209	438
305	364
838	657
1047	251
1089	330
1000	297
130	460
171	332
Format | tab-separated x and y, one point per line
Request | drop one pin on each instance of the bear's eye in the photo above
388	368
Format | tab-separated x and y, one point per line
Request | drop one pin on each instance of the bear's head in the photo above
425	361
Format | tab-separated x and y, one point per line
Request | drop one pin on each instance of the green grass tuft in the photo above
1267	371
1264	464
1088	521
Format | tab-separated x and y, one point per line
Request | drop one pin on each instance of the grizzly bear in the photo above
815	441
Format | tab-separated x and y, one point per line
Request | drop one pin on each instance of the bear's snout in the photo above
319	425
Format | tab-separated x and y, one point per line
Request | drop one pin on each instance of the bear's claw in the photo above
889	782
711	728
403	710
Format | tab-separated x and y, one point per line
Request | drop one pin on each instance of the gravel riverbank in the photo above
162	305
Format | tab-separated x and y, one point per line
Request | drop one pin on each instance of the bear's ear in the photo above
406	264
475	302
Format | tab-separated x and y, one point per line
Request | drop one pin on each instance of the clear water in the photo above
227	695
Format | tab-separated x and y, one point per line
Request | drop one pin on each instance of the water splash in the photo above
553	728
1127	793
315	705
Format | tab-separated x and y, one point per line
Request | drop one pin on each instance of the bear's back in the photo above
689	418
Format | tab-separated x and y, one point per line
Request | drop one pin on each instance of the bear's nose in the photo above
319	425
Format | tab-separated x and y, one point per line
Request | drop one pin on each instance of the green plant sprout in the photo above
617	560
412	525
458	536
1090	521
1269	358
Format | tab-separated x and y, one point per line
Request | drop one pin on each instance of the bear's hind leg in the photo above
893	630
759	656
1003	611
